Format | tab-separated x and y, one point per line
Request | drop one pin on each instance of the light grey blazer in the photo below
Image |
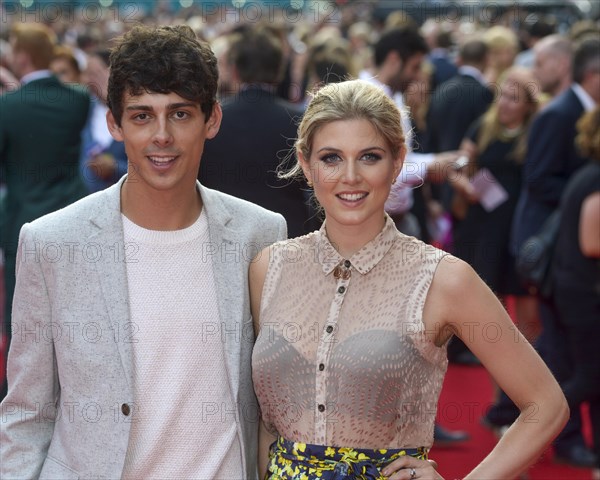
70	401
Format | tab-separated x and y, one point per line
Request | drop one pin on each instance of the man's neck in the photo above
562	86
31	74
160	210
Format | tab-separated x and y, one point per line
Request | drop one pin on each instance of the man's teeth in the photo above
352	197
161	160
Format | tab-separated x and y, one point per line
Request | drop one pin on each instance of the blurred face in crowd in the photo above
514	105
501	58
64	70
407	72
96	77
548	70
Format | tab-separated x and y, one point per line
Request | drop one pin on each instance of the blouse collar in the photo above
363	260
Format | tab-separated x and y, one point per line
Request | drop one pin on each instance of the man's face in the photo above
408	72
63	69
96	77
164	138
547	71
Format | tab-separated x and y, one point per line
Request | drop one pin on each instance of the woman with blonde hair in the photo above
503	45
353	320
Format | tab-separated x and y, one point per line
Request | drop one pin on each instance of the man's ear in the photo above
115	130
214	121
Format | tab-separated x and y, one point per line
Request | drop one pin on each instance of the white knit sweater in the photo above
183	423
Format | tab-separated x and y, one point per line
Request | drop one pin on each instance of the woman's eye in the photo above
330	158
371	157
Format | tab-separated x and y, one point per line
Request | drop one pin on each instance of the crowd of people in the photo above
402	157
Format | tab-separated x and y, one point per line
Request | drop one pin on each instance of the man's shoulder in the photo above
258	96
46	90
70	219
563	107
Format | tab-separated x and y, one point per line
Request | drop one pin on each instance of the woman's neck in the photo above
349	239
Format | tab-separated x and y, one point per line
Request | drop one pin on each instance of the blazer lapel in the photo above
111	268
230	280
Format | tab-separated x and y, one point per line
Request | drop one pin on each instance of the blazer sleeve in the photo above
281	229
29	409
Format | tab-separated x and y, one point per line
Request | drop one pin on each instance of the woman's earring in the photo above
309	183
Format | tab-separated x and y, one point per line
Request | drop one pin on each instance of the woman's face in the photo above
502	58
513	104
352	169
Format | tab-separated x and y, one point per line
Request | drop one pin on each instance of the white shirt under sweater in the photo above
183	425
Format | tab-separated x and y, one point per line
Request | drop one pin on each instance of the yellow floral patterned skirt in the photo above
300	461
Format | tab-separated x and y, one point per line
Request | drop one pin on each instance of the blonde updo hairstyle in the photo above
349	100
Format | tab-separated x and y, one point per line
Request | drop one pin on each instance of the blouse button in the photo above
125	409
321	367
347	264
342	289
321	407
329	329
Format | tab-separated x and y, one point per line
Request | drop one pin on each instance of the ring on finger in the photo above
413	474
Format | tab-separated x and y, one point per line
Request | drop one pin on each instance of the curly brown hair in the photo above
162	60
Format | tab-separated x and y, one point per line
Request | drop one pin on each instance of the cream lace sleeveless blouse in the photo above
342	358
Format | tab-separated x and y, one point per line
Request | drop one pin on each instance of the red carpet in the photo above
466	395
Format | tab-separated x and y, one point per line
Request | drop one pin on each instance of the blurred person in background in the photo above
439	39
551	160
256	132
221	46
503	46
40	141
65	66
446	122
330	61
455	105
534	31
8	81
103	160
360	35
553	64
496	142
577	277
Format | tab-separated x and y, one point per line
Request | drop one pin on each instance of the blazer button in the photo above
125	409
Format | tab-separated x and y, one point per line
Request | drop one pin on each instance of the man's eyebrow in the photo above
171	106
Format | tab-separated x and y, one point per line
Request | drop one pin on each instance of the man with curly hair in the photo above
132	328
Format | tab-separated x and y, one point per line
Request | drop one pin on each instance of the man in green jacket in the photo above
40	136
